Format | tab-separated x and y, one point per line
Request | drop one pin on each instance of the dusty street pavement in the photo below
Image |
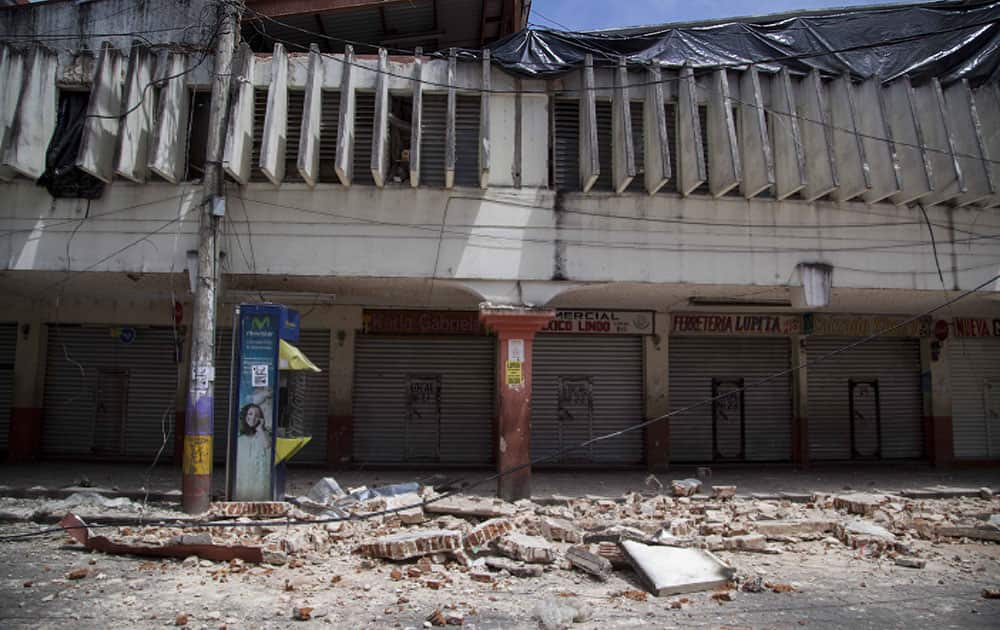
829	561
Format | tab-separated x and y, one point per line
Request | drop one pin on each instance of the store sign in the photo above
400	322
965	327
735	324
601	322
863	326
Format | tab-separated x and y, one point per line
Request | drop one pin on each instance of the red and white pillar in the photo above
516	328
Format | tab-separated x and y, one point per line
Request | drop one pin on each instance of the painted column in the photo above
800	401
25	437
936	388
516	328
656	367
340	421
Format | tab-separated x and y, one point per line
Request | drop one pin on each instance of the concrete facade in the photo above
658	240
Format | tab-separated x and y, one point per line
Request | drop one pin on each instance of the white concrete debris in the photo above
673	570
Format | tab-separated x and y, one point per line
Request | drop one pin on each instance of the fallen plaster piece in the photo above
675	570
471	506
76	528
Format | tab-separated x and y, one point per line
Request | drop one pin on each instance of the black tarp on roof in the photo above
948	40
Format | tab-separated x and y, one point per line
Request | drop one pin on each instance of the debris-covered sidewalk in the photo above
680	548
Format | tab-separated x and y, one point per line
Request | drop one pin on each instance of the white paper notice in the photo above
259	375
515	350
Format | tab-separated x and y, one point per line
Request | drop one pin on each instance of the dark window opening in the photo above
433	129
198	137
467	113
566	144
364	125
293	135
259	112
329	125
62	178
605	146
400	128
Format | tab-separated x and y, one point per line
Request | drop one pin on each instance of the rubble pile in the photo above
669	541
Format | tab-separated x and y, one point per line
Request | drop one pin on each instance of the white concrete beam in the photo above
35	118
963	120
11	74
312	115
789	157
691	171
416	118
656	153
848	150
724	169
987	99
484	121
755	145
100	130
877	142
914	167
272	147
449	135
623	152
345	126
814	123
946	174
380	132
168	152
590	163
136	129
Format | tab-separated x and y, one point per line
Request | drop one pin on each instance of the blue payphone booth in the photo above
265	401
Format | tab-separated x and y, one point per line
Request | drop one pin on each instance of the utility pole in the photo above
198	423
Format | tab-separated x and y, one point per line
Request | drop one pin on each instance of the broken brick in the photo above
861	503
685	487
723	492
487	532
77	574
527	548
560	530
480	576
412	544
583	559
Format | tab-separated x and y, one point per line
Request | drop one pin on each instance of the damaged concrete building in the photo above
461	209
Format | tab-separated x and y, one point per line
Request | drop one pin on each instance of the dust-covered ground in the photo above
813	567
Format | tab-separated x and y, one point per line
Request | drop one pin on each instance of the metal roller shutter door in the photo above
895	363
316	345
8	352
89	373
695	361
975	396
461	372
606	375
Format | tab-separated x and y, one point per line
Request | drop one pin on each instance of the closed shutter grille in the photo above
613	366
8	352
975	396
222	391
259	114
329	125
695	361
605	150
78	358
293	134
566	144
316	345
466	367
467	140
433	129
364	125
896	365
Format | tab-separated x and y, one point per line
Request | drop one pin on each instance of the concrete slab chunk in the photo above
471	506
673	570
527	548
861	503
558	529
583	559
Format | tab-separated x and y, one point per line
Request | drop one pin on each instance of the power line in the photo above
551	456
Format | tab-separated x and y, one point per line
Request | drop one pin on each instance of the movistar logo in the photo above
260	323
